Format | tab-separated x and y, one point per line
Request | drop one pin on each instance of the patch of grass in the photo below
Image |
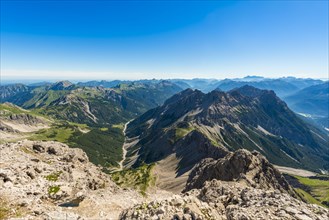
103	146
82	126
307	197
182	132
318	190
139	178
58	132
120	126
8	109
53	189
53	176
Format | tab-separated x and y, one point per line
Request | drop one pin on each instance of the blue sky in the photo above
81	40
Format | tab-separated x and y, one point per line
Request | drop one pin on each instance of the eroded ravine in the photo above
124	146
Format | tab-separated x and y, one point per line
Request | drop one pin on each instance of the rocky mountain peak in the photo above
250	168
61	85
253	92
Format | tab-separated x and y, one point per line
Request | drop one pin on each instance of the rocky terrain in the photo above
227	200
249	168
242	185
181	160
49	180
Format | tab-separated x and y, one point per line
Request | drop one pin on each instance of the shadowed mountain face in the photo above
313	100
312	103
219	122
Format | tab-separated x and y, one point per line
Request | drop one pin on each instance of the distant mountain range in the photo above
189	125
193	125
90	105
313	100
309	97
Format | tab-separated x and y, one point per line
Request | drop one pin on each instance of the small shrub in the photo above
53	189
54	176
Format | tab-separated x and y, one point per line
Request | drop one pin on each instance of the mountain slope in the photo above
95	106
15	93
313	100
243	118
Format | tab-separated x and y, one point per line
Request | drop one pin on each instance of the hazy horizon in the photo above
144	39
32	81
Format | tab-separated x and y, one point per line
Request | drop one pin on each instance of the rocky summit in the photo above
249	168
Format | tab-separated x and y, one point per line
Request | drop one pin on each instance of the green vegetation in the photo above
318	189
307	197
58	132
103	146
120	126
8	109
182	132
54	176
53	189
139	178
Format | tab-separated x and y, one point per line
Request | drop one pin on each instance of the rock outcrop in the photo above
230	201
242	185
49	180
249	168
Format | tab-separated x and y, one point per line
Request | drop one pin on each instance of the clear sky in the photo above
81	40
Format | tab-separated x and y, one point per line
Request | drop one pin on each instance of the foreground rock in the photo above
249	168
227	200
242	185
49	180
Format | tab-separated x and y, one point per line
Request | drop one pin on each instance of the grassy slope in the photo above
103	146
139	178
319	189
